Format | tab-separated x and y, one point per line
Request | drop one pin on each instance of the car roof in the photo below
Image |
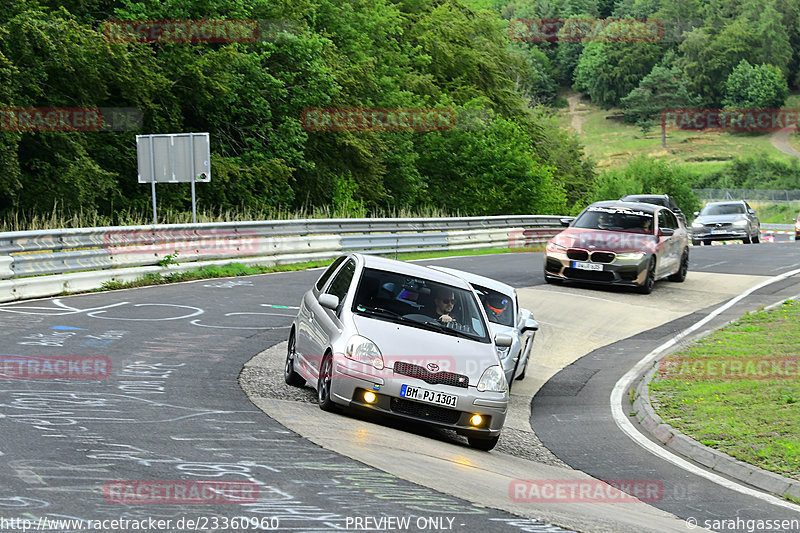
411	269
647	208
645	196
483	281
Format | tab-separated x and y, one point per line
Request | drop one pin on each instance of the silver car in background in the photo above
506	317
369	335
724	221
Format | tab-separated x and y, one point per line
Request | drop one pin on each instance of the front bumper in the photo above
348	386
617	272
719	235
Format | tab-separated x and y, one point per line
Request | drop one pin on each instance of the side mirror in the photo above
751	211
667	232
329	301
503	341
530	325
566	221
697	213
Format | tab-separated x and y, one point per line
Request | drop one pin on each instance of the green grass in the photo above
753	420
237	269
613	143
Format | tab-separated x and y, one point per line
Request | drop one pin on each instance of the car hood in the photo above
421	347
719	219
597	239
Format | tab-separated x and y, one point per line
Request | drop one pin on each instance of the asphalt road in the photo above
170	410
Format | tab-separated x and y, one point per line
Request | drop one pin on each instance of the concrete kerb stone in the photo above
683	445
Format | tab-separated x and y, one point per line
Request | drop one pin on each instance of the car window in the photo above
341	282
615	219
498	306
410	300
723	209
329	272
667	220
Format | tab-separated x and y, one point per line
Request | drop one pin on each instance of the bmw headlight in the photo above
740	223
552	246
492	380
365	351
631	256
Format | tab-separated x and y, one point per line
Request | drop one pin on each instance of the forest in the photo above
502	153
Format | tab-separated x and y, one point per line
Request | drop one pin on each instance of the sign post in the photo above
174	158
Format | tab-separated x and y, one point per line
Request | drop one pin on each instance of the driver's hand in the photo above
446	319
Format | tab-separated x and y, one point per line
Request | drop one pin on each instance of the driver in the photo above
443	300
496	305
604	221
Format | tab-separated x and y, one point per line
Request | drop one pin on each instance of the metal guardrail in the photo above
753	195
32	253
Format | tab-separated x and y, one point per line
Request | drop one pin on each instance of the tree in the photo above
759	87
662	89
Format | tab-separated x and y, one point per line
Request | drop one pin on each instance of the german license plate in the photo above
718	231
428	396
586	266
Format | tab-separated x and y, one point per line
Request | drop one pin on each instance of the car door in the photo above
307	343
668	242
325	321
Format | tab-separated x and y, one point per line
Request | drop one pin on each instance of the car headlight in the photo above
365	351
630	256
740	223
696	224
555	247
492	380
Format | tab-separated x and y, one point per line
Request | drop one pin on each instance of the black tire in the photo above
695	242
746	240
756	239
680	275
289	375
706	243
483	443
650	279
324	384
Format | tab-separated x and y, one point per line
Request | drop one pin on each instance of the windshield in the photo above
723	209
615	219
419	302
498	306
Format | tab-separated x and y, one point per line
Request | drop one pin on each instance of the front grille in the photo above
725	225
588	275
422	411
577	255
603	257
434	378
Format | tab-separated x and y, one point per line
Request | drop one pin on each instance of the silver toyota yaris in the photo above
403	340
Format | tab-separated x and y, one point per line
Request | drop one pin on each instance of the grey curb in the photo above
708	457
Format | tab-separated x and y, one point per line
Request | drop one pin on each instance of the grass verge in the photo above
237	269
750	412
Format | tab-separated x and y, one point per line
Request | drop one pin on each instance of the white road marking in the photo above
624	423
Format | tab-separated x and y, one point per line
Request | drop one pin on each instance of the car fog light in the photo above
476	420
370	397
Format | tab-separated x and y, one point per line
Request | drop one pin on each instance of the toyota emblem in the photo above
433	367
